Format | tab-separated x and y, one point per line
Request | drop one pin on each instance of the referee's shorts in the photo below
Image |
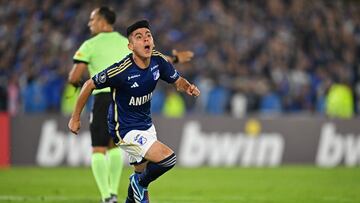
98	120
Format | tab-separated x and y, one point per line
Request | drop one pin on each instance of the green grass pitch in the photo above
287	184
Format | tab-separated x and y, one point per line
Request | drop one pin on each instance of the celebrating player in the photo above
132	81
95	54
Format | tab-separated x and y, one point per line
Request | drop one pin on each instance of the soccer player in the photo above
103	49
132	81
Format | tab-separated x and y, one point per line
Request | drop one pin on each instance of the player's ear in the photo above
130	46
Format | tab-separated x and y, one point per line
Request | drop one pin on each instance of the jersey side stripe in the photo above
118	67
120	70
116	116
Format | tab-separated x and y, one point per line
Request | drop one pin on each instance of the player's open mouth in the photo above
147	47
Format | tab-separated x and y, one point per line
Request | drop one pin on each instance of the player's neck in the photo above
141	62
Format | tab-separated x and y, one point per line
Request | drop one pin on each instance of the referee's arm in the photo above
76	73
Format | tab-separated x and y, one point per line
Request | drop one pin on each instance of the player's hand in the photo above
183	56
192	90
74	126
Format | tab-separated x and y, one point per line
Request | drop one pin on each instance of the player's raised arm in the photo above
86	90
183	85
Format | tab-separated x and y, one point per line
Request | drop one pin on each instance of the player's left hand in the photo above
183	56
192	90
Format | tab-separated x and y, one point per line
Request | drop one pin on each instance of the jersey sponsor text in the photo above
137	101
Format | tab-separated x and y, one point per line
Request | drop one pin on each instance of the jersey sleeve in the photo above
168	72
107	77
83	53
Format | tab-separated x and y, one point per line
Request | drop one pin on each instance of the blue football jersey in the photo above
132	89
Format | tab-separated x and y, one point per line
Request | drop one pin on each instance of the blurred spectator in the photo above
13	95
217	100
339	101
299	47
157	101
68	99
238	105
174	105
3	97
34	97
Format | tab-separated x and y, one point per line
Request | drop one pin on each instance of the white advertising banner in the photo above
212	141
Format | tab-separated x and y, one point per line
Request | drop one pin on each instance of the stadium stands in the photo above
281	55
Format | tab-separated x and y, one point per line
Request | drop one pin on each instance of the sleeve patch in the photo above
101	78
78	54
175	75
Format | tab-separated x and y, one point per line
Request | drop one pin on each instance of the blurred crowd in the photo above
251	56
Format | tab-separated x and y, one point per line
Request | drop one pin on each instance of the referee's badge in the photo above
156	75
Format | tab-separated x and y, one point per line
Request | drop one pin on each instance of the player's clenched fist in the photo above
74	126
193	90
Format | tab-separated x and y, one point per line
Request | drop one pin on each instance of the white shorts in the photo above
137	142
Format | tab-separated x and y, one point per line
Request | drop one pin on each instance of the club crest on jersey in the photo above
140	139
156	75
101	77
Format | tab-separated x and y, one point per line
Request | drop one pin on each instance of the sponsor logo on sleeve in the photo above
78	54
174	75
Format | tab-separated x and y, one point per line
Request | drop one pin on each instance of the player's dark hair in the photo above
107	14
137	25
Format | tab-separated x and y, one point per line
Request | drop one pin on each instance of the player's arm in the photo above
86	90
180	56
170	75
76	73
182	85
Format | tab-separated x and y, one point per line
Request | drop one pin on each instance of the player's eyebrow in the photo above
139	33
